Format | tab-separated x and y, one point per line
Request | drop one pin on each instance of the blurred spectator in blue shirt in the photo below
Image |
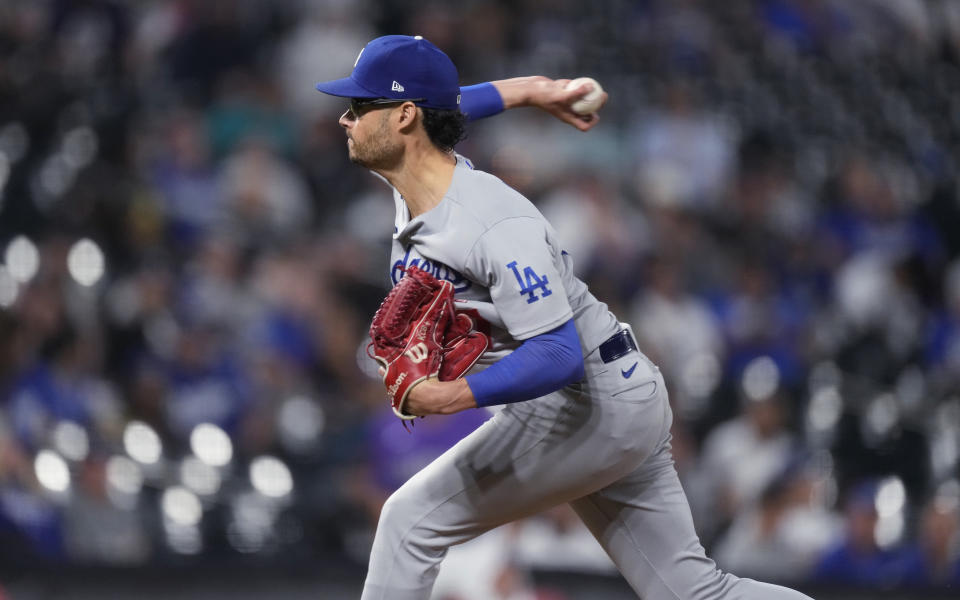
759	318
859	559
54	388
207	383
187	180
872	215
30	524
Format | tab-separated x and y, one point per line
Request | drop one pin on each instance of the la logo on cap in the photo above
396	87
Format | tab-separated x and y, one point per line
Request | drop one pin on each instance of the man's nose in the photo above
345	119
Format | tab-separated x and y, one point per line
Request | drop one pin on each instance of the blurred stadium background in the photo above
188	264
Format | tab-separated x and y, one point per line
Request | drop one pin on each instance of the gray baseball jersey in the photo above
503	259
602	445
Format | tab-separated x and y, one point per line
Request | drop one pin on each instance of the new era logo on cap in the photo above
427	73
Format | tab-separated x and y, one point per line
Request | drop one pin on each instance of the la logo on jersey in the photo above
530	282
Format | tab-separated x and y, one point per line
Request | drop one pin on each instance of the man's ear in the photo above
406	117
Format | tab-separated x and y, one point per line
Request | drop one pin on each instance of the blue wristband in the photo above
480	101
542	364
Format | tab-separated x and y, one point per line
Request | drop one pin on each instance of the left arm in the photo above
488	99
542	364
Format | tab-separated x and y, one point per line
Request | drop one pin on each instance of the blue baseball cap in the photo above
401	67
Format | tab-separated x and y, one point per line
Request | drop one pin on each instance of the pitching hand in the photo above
548	95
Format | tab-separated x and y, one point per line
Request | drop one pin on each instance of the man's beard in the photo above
377	152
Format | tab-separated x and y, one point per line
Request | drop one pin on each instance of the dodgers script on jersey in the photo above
503	259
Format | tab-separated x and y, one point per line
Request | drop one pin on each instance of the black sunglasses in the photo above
358	106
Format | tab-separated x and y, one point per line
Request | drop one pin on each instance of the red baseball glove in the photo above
462	347
416	334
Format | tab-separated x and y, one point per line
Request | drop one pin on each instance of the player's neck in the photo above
422	178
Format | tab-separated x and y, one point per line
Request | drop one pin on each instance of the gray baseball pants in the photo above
603	446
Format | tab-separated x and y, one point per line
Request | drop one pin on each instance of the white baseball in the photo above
589	103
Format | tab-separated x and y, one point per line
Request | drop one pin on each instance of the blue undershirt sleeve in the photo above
480	101
542	364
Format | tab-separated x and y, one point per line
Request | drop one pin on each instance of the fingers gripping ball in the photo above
592	101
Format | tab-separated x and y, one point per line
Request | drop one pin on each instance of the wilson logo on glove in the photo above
418	353
392	389
416	334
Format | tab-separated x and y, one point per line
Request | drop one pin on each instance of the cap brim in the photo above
345	88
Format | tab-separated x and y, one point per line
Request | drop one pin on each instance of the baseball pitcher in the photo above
586	418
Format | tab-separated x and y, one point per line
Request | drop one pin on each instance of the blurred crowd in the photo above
190	262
